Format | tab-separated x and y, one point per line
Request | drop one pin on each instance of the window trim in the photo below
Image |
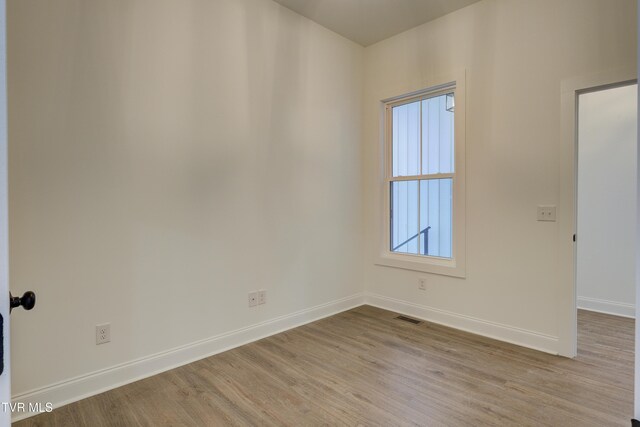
456	265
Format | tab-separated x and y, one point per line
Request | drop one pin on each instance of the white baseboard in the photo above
608	307
521	337
84	386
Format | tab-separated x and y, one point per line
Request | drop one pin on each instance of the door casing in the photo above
567	206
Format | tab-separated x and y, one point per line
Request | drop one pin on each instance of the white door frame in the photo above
567	207
636	388
5	378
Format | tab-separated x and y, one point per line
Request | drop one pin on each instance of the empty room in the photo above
319	212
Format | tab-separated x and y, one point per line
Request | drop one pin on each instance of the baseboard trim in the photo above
97	382
72	390
498	331
607	307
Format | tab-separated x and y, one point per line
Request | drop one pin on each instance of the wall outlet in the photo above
422	284
253	299
262	297
103	333
546	213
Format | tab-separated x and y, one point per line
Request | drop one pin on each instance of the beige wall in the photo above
166	158
516	54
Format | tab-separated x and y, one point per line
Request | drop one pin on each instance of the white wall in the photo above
166	158
516	54
607	200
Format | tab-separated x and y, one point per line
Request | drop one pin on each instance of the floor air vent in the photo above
409	319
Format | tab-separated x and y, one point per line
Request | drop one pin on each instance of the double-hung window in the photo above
424	182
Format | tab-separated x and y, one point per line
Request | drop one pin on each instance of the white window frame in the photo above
456	265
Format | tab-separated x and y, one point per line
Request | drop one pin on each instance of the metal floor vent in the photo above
409	319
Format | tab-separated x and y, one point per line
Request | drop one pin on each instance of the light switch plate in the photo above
546	213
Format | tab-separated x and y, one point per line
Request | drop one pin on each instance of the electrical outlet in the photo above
262	297
253	299
103	333
546	213
422	284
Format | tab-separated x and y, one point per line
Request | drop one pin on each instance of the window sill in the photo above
444	267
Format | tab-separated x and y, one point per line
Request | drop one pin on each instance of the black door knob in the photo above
27	301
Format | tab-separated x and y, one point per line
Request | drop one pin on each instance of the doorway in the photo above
606	215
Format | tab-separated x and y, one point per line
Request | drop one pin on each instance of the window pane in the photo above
406	139
437	134
404	217
436	217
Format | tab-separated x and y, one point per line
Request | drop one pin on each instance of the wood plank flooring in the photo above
364	367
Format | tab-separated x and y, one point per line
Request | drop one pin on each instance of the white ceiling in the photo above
369	21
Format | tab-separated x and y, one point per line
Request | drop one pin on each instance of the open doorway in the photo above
606	221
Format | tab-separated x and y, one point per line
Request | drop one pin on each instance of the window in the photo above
424	181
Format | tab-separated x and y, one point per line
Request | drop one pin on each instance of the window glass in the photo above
421	211
437	134
436	217
404	219
406	139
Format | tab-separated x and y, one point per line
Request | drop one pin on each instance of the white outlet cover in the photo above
422	284
262	297
546	213
103	333
253	299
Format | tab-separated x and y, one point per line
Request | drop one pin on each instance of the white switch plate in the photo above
253	299
103	333
546	213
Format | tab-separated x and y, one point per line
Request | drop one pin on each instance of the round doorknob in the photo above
27	301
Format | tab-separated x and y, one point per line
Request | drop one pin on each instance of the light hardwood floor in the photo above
364	367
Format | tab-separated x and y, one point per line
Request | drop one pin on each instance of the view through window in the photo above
422	175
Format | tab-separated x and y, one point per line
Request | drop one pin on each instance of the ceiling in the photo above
369	21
